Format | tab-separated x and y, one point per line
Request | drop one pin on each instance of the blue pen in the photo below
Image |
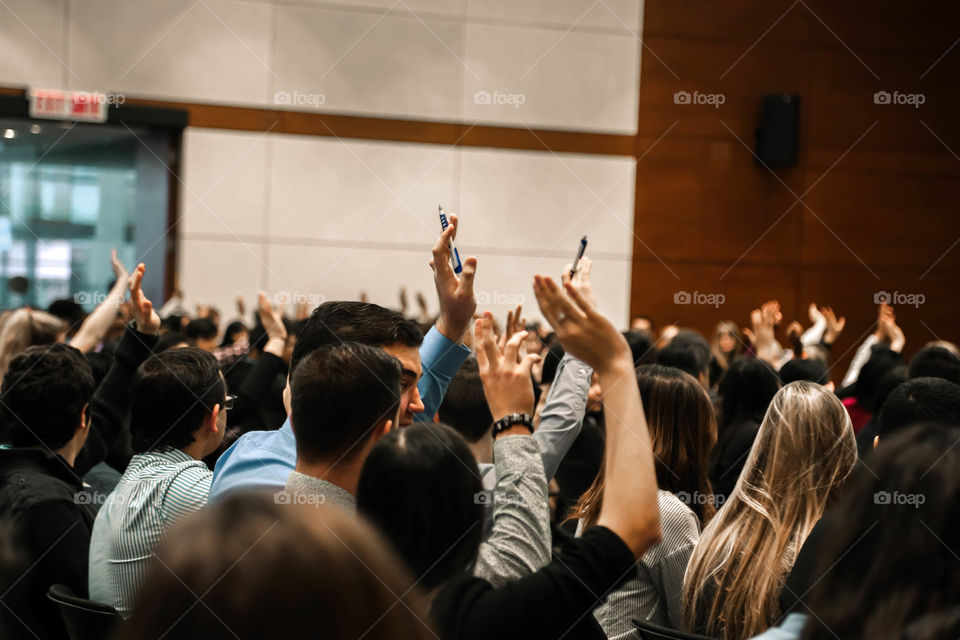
583	247
454	254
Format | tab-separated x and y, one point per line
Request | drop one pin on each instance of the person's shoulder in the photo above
678	522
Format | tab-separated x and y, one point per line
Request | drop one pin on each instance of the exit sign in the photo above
84	106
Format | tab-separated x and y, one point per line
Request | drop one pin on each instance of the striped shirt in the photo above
157	489
654	592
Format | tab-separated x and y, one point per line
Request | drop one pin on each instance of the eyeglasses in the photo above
229	403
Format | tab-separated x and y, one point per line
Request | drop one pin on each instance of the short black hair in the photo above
920	400
68	310
688	351
642	347
202	328
438	536
44	392
936	362
100	364
339	394
172	392
882	359
464	406
811	369
349	321
171	339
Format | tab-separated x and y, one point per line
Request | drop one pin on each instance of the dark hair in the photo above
882	359
642	347
745	390
422	487
920	400
890	381
688	351
935	362
551	362
887	562
348	321
811	369
464	406
44	392
339	394
100	364
258	565
173	322
201	329
70	311
172	394
169	340
229	335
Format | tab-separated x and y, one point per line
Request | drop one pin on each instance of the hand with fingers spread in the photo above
584	332
457	300
140	307
515	324
581	279
504	374
834	325
887	328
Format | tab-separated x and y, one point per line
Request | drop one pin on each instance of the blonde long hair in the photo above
27	328
803	452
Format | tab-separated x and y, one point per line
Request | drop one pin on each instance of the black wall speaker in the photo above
777	133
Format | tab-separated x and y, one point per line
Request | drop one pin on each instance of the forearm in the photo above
519	543
440	358
630	493
562	416
96	325
860	358
814	334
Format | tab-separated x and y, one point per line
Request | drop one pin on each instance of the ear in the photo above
84	418
288	397
876	441
382	429
830	386
211	422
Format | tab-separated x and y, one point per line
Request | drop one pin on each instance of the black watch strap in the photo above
508	421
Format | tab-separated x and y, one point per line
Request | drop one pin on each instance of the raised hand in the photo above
140	307
271	317
834	325
504	374
515	324
583	330
888	329
457	301
581	279
119	270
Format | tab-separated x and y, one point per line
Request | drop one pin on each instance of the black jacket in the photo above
46	513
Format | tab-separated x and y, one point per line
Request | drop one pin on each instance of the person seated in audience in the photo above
859	397
57	430
893	378
344	398
641	323
888	333
745	390
464	408
203	333
724	349
936	362
810	369
261	459
557	599
683	429
804	451
642	347
888	567
689	352
266	570
922	400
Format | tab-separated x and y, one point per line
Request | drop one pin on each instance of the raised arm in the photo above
96	325
519	542
630	501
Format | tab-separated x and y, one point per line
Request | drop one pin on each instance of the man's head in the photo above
936	362
688	351
464	406
45	394
812	369
344	397
919	400
177	400
203	332
345	321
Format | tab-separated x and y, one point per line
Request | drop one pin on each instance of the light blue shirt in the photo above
264	459
790	629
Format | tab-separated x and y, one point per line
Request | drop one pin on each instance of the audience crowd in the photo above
352	471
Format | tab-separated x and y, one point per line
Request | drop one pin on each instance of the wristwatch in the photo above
508	421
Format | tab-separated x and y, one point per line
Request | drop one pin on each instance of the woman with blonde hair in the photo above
28	328
683	431
725	347
803	452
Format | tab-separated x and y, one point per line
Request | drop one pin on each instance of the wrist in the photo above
616	368
451	329
513	424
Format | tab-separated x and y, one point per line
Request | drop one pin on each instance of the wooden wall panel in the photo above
881	211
